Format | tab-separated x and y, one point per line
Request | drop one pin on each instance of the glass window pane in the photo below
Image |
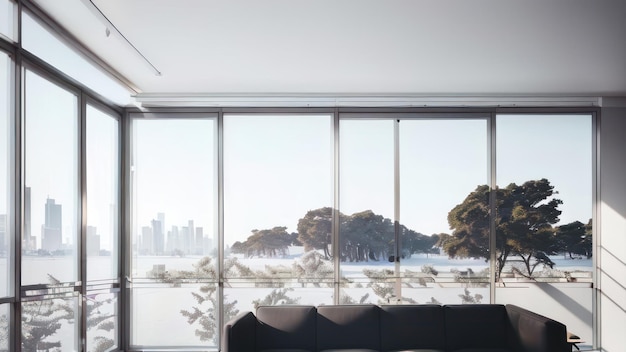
7	19
6	166
442	163
40	41
179	310
174	197
555	168
102	321
50	325
174	226
50	195
544	236
366	238
278	201
102	195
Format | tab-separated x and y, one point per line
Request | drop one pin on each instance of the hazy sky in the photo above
276	168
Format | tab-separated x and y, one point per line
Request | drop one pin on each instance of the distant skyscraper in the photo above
176	241
28	242
186	240
146	246
191	241
161	218
199	241
158	237
51	236
93	241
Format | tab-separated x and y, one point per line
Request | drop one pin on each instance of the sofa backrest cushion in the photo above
410	327
286	327
476	326
535	332
348	327
244	324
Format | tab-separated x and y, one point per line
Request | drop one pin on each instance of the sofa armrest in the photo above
239	334
534	332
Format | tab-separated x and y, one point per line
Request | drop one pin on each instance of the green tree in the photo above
366	236
315	229
266	243
415	242
575	239
524	225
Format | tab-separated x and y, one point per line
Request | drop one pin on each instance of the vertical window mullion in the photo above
82	218
491	135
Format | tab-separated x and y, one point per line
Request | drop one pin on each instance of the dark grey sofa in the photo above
394	328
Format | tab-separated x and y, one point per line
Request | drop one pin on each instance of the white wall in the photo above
611	254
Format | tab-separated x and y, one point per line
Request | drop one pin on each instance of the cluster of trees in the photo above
364	236
525	221
266	243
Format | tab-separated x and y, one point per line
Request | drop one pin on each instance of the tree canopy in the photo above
525	215
268	243
524	221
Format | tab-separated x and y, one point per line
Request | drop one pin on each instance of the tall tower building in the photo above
199	250
186	240
158	237
51	236
161	218
28	241
190	238
146	246
93	241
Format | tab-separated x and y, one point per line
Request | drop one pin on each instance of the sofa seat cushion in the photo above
349	350
419	350
483	350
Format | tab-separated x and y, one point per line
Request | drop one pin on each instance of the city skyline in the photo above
178	240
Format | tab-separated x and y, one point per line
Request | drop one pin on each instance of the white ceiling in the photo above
367	47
